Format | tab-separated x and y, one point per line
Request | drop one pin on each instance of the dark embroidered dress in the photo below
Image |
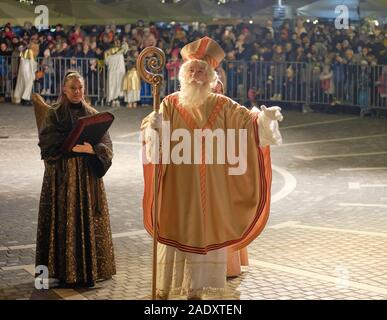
74	237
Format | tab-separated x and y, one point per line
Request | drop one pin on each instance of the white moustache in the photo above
191	80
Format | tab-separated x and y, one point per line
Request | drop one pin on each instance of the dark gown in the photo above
74	238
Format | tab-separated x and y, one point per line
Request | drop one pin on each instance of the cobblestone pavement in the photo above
326	237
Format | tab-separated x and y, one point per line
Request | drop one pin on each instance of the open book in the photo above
88	129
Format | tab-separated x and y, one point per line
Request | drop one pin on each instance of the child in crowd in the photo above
131	86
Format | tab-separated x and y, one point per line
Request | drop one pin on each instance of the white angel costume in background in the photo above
114	59
25	77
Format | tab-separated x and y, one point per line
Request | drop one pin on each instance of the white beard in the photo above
193	93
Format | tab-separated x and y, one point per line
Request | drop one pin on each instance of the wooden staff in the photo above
150	64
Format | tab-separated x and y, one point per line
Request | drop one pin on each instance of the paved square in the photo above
326	237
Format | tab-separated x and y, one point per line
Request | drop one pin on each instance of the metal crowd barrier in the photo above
51	72
304	83
8	74
257	81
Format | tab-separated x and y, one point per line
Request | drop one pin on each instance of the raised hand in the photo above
273	113
269	133
155	120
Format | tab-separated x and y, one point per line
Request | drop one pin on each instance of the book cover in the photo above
88	129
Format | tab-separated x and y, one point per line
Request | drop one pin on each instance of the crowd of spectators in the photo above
293	41
328	50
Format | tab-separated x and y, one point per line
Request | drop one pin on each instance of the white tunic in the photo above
190	274
25	79
116	71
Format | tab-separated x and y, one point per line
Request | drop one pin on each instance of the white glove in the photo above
268	127
153	138
155	120
273	113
